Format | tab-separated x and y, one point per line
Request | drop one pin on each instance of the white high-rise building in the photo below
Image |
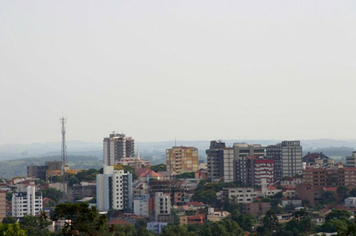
26	203
114	190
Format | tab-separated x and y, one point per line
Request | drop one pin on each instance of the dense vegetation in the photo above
18	167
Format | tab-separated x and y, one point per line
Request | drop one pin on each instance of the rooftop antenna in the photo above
175	141
64	151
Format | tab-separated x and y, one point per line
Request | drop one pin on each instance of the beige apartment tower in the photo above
182	159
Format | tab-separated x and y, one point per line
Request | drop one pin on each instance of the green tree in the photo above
334	225
338	215
342	192
224	227
176	230
160	167
270	221
9	196
83	219
185	175
73	180
350	230
53	194
12	230
35	225
300	223
55	179
353	192
275	203
8	220
278	195
328	197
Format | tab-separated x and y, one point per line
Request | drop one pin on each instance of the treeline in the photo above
333	151
18	167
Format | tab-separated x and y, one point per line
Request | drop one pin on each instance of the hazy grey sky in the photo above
190	69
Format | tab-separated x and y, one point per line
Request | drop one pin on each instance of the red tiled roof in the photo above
332	189
288	187
194	204
143	172
118	221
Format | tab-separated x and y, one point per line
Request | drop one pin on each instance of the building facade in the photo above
351	160
162	205
287	158
258	169
182	159
26	203
114	190
2	205
156	227
141	205
241	195
242	151
215	160
116	147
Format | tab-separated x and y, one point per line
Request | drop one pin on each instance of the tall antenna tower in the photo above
64	150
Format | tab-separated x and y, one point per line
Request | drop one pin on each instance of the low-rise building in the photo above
216	215
156	227
194	219
350	202
256	208
270	191
241	195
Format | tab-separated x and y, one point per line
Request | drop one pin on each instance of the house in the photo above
256	208
240	195
350	202
216	215
143	173
194	219
270	191
156	227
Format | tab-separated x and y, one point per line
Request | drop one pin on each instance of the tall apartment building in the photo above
228	166
258	169
26	203
287	158
215	160
2	205
116	147
351	160
182	159
242	151
114	190
162	205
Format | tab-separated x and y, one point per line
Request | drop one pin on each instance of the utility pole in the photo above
64	151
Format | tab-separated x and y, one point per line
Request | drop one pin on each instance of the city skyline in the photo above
186	70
